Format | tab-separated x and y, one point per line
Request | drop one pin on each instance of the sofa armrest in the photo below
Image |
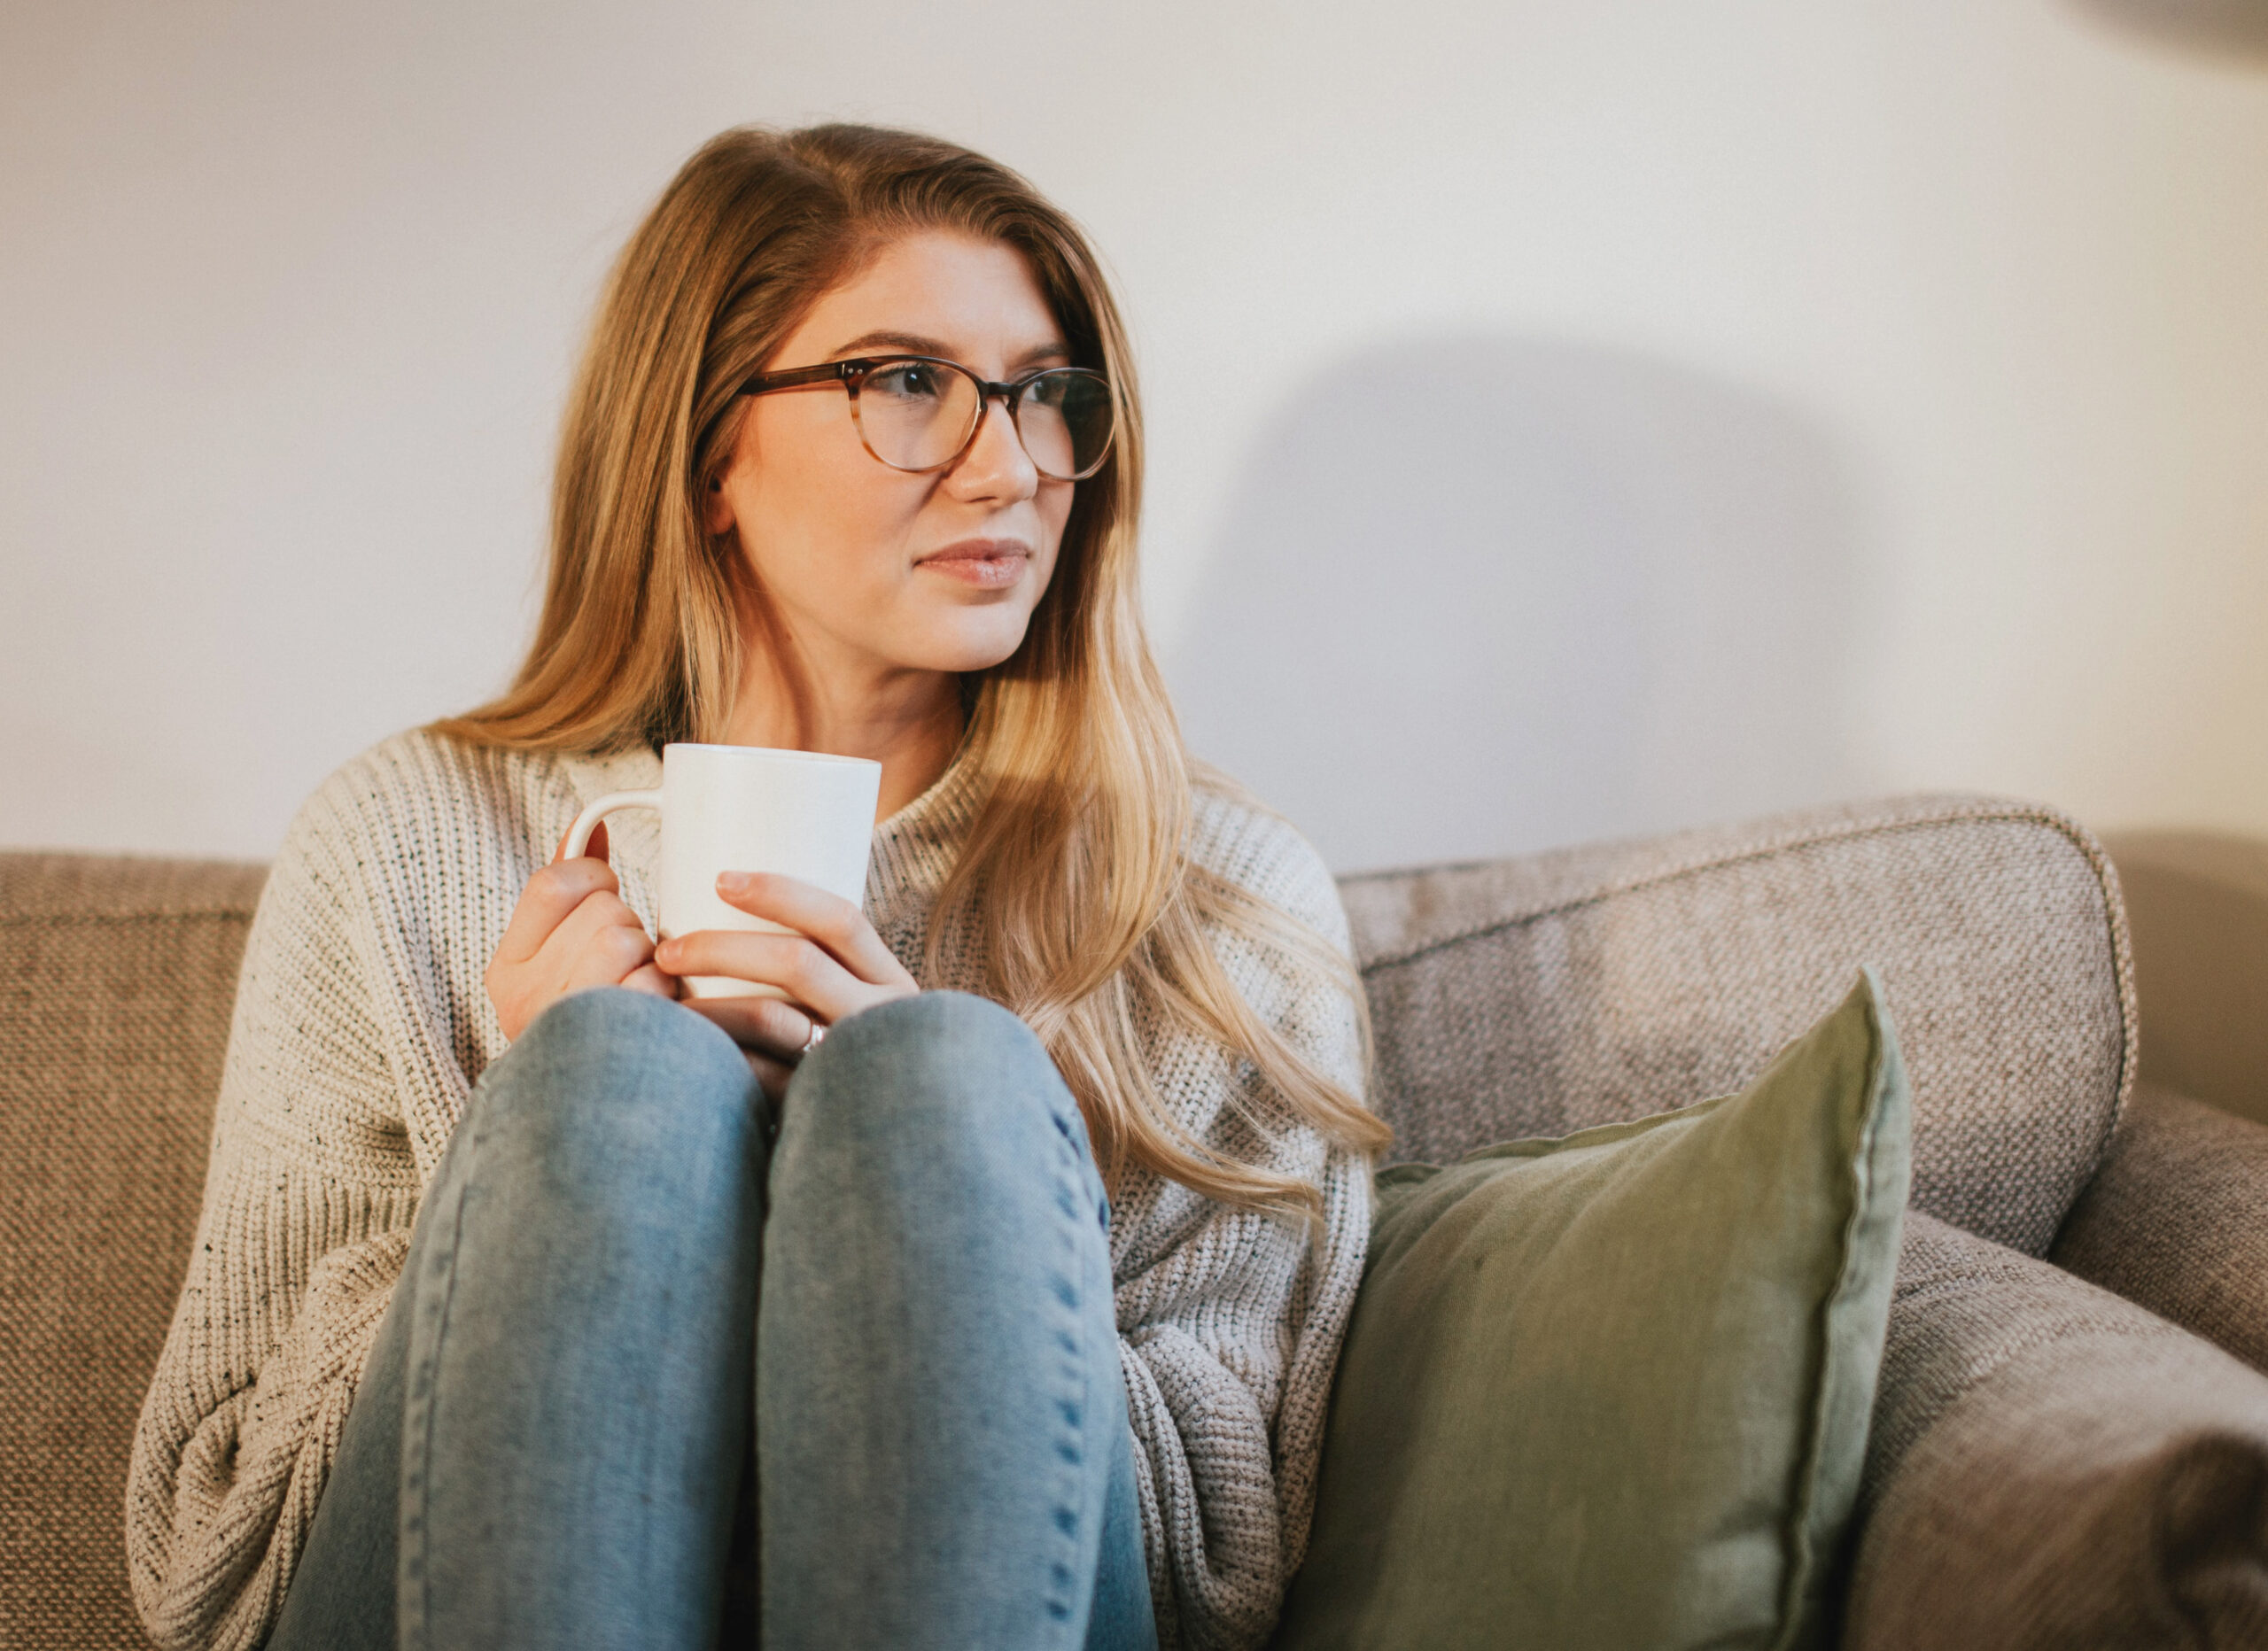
2177	1219
2051	1466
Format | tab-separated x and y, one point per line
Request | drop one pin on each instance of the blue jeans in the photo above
612	1277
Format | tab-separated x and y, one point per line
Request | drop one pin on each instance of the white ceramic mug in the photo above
742	807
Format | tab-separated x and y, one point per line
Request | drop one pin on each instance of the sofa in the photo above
2070	1445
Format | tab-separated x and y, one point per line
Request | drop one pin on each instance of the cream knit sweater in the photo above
362	1024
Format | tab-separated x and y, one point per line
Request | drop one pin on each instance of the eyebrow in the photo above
914	344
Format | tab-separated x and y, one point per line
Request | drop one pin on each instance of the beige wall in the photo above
1568	418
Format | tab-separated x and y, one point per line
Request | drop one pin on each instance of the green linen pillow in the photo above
1612	1390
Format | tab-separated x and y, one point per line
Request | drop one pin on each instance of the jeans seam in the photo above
417	1433
1075	1397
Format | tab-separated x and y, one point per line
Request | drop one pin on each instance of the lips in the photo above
987	563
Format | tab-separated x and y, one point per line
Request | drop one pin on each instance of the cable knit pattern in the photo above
361	1024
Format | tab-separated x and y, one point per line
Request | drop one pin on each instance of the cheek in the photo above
821	517
1054	504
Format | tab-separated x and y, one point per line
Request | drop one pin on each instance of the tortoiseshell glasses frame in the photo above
921	413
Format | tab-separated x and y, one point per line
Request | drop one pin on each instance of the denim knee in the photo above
961	1048
915	1074
608	1078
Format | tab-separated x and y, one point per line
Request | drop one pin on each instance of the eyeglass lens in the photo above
918	416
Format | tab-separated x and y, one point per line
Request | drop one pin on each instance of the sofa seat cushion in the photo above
2053	1465
1614	1390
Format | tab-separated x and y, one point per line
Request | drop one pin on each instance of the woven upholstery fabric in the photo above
1542	995
2177	1220
116	979
2054	1466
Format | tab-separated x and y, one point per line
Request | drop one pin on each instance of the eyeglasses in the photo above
921	413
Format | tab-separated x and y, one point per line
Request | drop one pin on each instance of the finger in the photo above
771	1074
594	849
551	895
599	908
610	956
598	911
833	922
649	979
764	1024
797	965
600	943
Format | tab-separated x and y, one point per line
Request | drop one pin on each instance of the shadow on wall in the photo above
1471	600
2218	28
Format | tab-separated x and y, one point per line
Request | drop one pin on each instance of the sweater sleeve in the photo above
1230	1331
1226	1477
308	1201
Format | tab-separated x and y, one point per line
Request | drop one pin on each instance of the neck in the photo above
909	721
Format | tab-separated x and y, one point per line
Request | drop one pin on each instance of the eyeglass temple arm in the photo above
798	375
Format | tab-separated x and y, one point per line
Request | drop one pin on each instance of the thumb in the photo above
596	849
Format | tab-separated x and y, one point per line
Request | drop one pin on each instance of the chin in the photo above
964	646
976	638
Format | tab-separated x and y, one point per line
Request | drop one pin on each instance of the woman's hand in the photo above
831	968
570	930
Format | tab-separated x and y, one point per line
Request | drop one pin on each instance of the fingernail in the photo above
732	882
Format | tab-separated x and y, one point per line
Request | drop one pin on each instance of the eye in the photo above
906	380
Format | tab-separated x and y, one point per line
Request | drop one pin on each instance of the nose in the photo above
996	465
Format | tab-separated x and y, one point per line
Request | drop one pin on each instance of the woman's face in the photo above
872	569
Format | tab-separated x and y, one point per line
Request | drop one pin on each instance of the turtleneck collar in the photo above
915	847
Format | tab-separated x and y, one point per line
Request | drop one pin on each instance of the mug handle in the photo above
578	835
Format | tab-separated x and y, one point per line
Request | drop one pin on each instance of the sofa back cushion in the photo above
1540	995
116	980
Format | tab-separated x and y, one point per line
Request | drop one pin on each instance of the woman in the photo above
1044	1303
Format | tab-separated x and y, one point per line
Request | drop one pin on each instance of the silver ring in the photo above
819	1035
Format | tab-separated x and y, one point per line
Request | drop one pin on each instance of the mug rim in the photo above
769	750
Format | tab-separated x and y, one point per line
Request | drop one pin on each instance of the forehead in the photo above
978	297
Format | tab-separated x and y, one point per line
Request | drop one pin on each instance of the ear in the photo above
716	508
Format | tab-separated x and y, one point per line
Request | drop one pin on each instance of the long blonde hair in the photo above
1094	918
